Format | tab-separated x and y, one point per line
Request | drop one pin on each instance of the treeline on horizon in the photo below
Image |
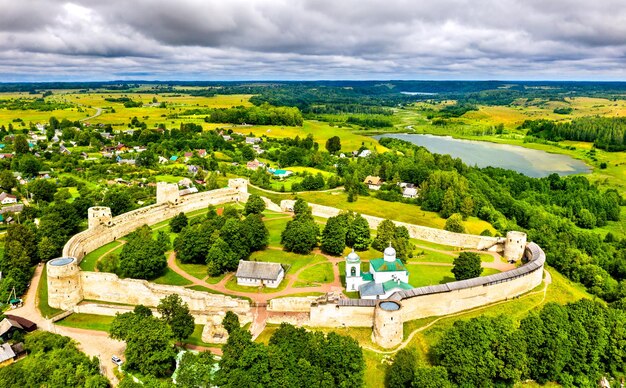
332	97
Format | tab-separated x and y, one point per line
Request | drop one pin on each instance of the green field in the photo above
172	278
42	297
88	263
315	275
87	321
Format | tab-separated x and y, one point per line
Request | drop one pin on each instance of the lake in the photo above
533	163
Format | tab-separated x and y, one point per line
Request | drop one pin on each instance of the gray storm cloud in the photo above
305	39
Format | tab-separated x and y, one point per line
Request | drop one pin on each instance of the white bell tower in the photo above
353	272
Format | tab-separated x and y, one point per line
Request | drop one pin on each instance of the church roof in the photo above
380	265
368	277
371	289
391	284
258	270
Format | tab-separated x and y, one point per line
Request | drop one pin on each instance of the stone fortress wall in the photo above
68	286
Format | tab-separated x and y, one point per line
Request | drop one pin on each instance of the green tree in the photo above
333	239
29	165
46	249
333	144
255	205
401	372
230	322
300	236
435	377
385	234
454	224
141	256
178	222
302	210
148	340
42	190
358	235
7	180
176	314
118	200
220	258
146	158
195	370
467	266
20	145
256	232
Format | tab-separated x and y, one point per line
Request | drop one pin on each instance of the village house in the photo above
253	140
254	165
373	182
7	199
9	353
162	160
409	190
258	273
188	155
201	153
227	137
365	153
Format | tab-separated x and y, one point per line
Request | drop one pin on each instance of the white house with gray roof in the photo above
258	273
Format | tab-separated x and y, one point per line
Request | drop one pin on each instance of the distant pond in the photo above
533	163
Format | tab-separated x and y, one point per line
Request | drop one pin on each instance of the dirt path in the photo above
264	297
98	113
546	282
92	342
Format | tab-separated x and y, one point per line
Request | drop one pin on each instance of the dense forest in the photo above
294	357
574	345
608	133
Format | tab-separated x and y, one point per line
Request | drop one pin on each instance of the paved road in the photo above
92	342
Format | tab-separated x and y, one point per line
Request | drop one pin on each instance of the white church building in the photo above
386	275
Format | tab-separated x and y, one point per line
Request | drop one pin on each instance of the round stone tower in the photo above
514	245
167	192
388	329
98	215
64	286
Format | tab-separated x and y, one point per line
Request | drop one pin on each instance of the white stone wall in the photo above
107	287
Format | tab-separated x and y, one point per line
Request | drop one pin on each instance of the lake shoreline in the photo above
529	161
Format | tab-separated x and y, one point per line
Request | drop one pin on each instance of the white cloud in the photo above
311	39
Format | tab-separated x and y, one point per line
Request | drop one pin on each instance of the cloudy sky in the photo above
45	40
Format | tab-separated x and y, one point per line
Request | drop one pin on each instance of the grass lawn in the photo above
87	321
432	245
314	275
88	263
275	228
396	211
293	260
172	278
428	275
42	297
489	271
431	256
266	334
486	258
196	338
